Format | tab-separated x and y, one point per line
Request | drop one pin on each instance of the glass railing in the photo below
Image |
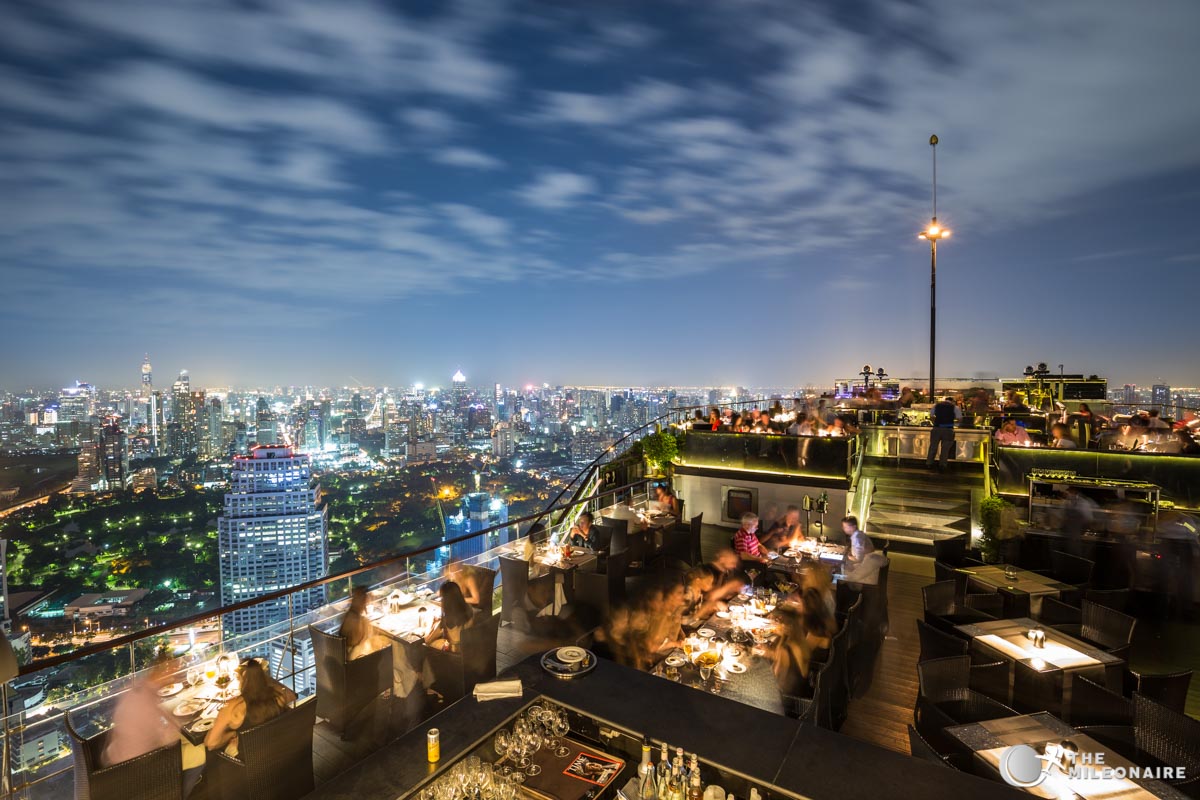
87	683
1177	476
826	457
912	442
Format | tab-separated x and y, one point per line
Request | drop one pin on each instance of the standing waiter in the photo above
945	413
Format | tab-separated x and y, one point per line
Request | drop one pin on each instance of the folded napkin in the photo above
496	690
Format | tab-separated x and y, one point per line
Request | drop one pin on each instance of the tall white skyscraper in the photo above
271	536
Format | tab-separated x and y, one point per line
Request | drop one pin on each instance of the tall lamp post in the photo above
933	234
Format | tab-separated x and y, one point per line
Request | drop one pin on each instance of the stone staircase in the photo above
915	507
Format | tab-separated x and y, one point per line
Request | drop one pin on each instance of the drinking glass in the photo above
193	676
561	727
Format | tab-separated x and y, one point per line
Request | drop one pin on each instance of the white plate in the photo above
790	553
772	555
571	655
675	661
203	725
170	691
722	615
706	633
189	707
735	667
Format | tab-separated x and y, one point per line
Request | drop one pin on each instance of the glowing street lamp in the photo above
933	234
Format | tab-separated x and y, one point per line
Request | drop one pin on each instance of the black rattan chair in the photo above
1075	571
157	775
1056	612
990	679
1169	737
948	572
951	551
1116	599
945	698
345	687
486	579
936	643
1016	603
1108	628
919	748
1093	704
1169	689
514	582
274	760
942	612
989	603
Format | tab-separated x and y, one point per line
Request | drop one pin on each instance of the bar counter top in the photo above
769	749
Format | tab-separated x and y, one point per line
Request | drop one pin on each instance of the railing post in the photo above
291	642
132	666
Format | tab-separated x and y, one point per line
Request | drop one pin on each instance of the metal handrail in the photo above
122	641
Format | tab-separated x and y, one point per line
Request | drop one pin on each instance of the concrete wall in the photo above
706	494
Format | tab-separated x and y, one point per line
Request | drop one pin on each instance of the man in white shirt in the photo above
860	543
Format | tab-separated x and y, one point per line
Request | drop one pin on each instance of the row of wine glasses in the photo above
552	723
472	779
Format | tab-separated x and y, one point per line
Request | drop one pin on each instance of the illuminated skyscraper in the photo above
75	403
113	454
1160	396
271	536
504	440
479	511
147	374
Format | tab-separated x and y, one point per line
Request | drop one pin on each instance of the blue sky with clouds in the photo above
625	192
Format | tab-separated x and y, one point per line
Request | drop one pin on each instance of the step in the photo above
910	489
910	534
917	503
929	521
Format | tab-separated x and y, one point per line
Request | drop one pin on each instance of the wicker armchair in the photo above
274	761
1074	571
1170	689
157	775
951	551
1015	603
1108	628
919	748
938	644
487	588
514	578
946	698
989	603
1093	704
1055	612
941	610
345	687
1116	599
1168	737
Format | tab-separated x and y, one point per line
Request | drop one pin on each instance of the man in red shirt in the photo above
746	542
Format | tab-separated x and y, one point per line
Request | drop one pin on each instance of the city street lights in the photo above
933	234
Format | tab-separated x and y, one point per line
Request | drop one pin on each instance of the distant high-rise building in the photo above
1160	396
113	454
147	374
504	440
271	536
1129	393
76	403
187	417
211	435
479	511
87	475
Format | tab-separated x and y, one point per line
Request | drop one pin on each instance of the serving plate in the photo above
560	669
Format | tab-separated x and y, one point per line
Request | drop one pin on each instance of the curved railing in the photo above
39	749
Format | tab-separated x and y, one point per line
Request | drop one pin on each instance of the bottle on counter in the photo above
676	789
662	773
647	785
695	789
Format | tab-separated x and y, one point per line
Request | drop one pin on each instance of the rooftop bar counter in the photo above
614	707
821	457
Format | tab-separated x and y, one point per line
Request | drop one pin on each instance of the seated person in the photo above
664	631
728	578
1011	433
787	530
1059	438
470	581
805	634
746	542
138	723
860	543
356	629
698	603
582	533
865	571
456	617
260	699
818	578
664	495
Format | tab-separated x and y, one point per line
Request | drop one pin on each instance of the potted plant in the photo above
659	450
998	542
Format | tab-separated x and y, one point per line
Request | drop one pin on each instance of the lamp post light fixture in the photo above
933	234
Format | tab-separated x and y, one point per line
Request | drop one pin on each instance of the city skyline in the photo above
618	196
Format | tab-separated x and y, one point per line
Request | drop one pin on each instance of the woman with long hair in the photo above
457	615
261	698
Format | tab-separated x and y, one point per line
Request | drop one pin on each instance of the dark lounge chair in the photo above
345	687
274	760
157	775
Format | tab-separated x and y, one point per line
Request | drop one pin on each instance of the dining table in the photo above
561	563
994	578
408	616
794	556
1012	641
744	672
992	741
194	706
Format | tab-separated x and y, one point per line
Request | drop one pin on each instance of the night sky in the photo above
295	191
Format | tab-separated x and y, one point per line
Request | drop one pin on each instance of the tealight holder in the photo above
1037	636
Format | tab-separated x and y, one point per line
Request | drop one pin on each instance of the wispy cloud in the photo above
557	190
467	157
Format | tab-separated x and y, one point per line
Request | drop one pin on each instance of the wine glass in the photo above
561	726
